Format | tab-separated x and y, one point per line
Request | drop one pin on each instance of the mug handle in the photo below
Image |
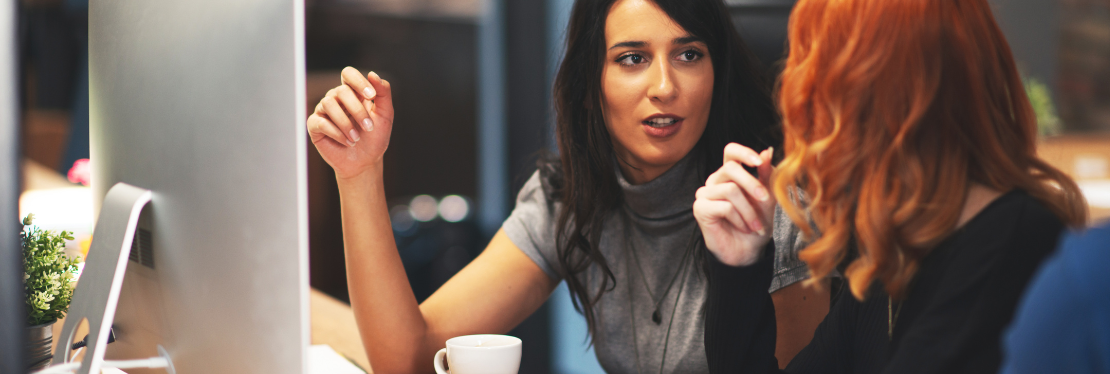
438	363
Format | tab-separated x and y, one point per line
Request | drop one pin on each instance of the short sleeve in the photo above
531	227
788	269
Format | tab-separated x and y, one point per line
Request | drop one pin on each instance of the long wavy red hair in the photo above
891	110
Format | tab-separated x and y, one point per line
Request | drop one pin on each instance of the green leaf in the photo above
1040	97
48	272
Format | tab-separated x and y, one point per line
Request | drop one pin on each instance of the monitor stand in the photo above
98	288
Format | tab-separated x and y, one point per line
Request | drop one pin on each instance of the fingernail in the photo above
763	194
761	232
369	92
367	125
354	135
758	226
755	160
350	143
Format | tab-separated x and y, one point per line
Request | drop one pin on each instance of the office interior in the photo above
473	86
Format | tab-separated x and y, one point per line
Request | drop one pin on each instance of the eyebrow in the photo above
638	44
686	40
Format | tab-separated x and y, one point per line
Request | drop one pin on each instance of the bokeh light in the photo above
400	218
453	208
423	208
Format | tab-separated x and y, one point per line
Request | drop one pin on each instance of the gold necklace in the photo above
892	316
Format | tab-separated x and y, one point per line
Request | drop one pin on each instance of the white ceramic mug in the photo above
480	354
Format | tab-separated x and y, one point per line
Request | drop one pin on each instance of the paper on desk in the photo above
324	360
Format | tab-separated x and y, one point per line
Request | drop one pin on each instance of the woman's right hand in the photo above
734	208
352	123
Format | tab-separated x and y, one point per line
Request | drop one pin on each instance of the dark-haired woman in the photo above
907	126
647	97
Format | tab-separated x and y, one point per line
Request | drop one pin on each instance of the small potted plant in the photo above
48	282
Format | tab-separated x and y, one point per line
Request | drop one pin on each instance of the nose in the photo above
662	87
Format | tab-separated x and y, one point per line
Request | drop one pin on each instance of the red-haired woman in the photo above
909	133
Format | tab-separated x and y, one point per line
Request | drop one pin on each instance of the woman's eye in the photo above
689	56
630	60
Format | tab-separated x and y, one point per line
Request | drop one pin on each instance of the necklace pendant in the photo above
655	317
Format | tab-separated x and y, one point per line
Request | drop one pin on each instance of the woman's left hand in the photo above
734	208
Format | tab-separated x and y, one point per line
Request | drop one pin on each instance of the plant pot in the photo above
40	338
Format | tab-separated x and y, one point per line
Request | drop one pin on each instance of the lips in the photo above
662	125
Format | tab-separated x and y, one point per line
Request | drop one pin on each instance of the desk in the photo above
333	323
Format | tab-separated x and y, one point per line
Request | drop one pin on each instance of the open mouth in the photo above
661	122
662	125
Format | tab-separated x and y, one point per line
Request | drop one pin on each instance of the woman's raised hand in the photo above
734	208
351	125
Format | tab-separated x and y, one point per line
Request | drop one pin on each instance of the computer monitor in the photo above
202	102
12	319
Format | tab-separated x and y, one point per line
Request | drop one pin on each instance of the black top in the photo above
951	321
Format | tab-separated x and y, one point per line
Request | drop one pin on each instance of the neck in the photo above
978	197
640	174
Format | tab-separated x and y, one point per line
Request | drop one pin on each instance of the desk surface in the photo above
333	323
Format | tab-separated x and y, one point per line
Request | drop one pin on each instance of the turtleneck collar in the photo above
669	194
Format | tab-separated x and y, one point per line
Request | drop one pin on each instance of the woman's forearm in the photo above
389	319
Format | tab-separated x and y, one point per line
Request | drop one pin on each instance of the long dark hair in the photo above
584	178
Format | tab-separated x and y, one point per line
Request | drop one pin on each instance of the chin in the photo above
662	154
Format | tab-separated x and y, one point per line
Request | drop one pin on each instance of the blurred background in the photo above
472	85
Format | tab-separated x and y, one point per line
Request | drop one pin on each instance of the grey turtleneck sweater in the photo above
657	219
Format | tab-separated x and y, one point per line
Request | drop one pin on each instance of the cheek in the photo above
703	93
620	98
699	96
619	94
